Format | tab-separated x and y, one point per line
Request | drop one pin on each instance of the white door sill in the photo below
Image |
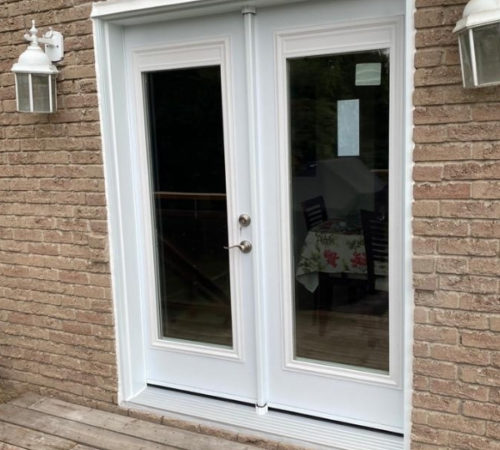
223	414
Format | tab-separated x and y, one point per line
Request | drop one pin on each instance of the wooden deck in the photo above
41	423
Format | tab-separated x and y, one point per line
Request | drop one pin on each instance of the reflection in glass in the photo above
41	93
188	172
339	132
487	49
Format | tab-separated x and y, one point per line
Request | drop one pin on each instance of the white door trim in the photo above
193	54
355	36
124	249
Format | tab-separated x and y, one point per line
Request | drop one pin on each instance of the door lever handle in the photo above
244	246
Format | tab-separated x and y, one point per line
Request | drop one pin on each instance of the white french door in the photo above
191	103
243	123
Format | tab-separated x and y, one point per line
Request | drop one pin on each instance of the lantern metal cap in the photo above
34	59
477	13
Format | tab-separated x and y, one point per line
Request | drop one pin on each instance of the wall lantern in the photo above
479	43
35	73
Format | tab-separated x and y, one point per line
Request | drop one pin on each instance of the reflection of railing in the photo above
190	195
195	197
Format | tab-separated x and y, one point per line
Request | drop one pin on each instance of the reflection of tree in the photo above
316	84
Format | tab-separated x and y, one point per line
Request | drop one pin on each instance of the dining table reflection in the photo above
332	247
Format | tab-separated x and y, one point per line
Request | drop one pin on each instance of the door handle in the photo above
244	246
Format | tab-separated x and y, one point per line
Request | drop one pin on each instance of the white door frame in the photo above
127	249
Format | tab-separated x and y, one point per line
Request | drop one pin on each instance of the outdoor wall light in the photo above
35	73
479	43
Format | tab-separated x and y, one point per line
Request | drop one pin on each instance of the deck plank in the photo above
134	427
20	437
4	446
77	432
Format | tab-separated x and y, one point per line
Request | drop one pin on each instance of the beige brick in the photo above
442	152
485	266
461	319
472	442
479	247
441	299
481	410
486	189
428	435
421	349
493	431
452	265
426	208
485	150
456	423
418	416
425	282
441	75
430	401
439	227
471	209
486	229
460	354
475	302
471	171
423	115
435	369
428	172
428	333
424	246
483	340
423	265
429	58
469	283
442	191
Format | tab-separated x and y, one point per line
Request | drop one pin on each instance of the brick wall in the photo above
456	226
56	323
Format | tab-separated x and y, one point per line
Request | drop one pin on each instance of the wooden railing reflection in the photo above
178	204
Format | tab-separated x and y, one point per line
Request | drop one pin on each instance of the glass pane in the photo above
339	131
187	165
466	61
487	48
41	93
23	92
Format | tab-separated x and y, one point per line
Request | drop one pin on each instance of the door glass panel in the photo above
339	134
189	188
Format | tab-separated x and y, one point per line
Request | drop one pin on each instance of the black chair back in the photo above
314	211
375	232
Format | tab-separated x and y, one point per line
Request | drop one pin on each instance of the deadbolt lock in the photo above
244	220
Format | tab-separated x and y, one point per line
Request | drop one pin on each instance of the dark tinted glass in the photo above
188	172
339	131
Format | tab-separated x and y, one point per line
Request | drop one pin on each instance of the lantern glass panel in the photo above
487	49
465	54
53	92
23	92
41	93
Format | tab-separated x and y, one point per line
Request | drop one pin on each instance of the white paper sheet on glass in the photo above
348	127
368	74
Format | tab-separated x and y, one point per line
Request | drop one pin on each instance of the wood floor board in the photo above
134	427
21	437
77	432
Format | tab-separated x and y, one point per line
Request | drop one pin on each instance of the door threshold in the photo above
276	425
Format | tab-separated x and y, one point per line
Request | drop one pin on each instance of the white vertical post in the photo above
473	57
30	85
51	106
260	328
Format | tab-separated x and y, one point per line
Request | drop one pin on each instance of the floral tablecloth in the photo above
330	248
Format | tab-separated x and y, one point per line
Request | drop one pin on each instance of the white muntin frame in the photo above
182	56
384	35
110	19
